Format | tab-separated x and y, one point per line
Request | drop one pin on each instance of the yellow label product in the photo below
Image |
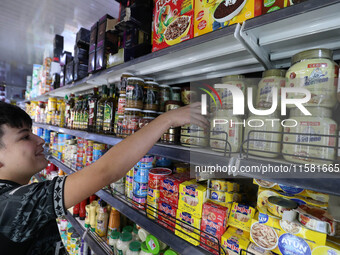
322	197
223	197
228	205
240	216
232	243
211	15
189	225
223	185
263	194
239	232
256	250
282	236
191	197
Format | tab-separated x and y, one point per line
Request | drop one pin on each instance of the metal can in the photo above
140	189
146	161
141	174
129	191
153	195
152	210
156	175
140	201
277	205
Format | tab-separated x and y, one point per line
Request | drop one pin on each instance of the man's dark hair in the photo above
14	117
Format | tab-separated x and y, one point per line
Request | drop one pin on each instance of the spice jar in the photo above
303	149
176	93
134	93
147	117
151	96
188	95
131	121
316	71
123	82
274	78
164	95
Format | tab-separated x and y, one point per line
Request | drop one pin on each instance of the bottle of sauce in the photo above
62	112
114	221
102	219
100	110
109	112
93	100
85	113
69	106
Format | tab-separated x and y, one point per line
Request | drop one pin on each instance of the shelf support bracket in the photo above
250	43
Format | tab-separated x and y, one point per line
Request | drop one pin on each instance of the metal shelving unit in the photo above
149	225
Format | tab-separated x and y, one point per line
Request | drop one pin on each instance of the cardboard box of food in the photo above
167	214
318	196
173	23
233	243
191	197
240	216
282	237
213	224
187	227
211	15
169	190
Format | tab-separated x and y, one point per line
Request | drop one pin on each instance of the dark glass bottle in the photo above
93	100
68	109
109	112
100	110
78	113
73	113
85	113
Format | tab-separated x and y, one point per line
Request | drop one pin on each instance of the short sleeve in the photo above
24	210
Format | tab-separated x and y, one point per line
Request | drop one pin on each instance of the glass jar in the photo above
172	135
176	93
134	248
274	78
148	116
52	104
267	144
188	95
123	243
310	127
316	71
148	79
226	127
164	95
131	121
134	93
193	136
226	96
118	129
123	82
121	104
151	96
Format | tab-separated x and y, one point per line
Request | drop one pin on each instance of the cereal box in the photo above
318	196
263	194
191	197
167	214
187	227
170	187
173	22
233	243
240	216
211	15
213	223
284	237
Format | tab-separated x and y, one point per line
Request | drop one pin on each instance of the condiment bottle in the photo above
114	221
134	248
102	219
113	240
123	243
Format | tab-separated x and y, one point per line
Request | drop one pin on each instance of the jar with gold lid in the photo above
134	93
151	96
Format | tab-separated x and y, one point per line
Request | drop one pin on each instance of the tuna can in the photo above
156	175
139	201
141	174
140	189
153	195
146	161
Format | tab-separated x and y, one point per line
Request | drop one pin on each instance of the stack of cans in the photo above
156	175
89	153
98	151
80	153
129	183
140	180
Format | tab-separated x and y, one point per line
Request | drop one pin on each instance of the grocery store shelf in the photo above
281	34
97	246
160	232
175	152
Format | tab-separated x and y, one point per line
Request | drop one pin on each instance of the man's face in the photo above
22	152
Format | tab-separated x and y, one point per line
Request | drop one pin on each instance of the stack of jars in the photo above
140	180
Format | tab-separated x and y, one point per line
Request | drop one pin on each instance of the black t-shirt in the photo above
28	216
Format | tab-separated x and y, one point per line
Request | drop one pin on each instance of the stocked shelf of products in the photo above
37	176
139	218
264	42
96	244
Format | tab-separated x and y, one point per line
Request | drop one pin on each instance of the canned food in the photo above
223	185
153	195
141	174
129	191
156	175
277	205
146	161
140	189
129	180
152	210
140	201
224	197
